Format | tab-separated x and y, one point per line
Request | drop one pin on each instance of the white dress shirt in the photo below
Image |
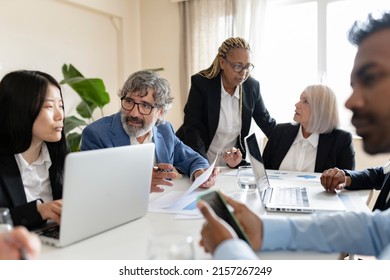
148	139
302	154
229	125
35	177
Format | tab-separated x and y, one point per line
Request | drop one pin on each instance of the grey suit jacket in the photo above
335	149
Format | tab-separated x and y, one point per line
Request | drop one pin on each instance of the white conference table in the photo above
130	241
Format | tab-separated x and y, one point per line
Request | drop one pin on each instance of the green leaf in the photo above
90	90
85	109
72	80
74	140
72	122
69	71
155	69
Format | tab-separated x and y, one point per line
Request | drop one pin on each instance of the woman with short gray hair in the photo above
313	143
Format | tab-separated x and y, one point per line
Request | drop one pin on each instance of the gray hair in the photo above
324	115
139	82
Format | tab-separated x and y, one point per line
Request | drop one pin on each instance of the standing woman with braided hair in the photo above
222	101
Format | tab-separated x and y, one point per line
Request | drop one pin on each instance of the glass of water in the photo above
5	220
6	225
246	180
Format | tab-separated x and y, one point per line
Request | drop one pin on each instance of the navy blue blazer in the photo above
371	178
108	132
335	149
201	113
12	194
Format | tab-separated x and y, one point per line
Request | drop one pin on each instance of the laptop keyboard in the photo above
53	232
293	196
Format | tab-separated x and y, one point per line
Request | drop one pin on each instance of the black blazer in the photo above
335	149
201	113
12	194
372	178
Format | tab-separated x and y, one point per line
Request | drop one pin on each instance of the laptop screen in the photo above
257	162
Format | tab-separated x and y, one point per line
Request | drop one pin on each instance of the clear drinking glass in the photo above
6	223
171	246
246	180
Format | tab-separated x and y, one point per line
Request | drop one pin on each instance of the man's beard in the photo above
135	131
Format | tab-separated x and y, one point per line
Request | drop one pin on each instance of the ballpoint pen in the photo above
163	170
158	169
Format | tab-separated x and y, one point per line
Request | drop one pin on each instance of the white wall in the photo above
102	38
45	34
160	47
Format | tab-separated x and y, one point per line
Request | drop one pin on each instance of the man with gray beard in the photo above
145	99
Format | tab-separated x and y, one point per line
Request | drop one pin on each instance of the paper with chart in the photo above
294	176
182	201
286	175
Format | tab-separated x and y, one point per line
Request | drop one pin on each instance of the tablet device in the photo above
218	204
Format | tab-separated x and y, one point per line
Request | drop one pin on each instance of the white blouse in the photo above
35	177
229	125
302	154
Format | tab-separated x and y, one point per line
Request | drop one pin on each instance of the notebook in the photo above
300	199
103	189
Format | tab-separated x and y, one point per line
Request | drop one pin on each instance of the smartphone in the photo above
218	204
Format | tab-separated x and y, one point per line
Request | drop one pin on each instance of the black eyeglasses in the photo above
238	67
128	104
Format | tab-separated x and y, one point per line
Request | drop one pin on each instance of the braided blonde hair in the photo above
227	45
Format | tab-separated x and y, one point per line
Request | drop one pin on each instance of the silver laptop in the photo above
300	199
103	189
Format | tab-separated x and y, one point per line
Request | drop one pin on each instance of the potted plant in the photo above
93	94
